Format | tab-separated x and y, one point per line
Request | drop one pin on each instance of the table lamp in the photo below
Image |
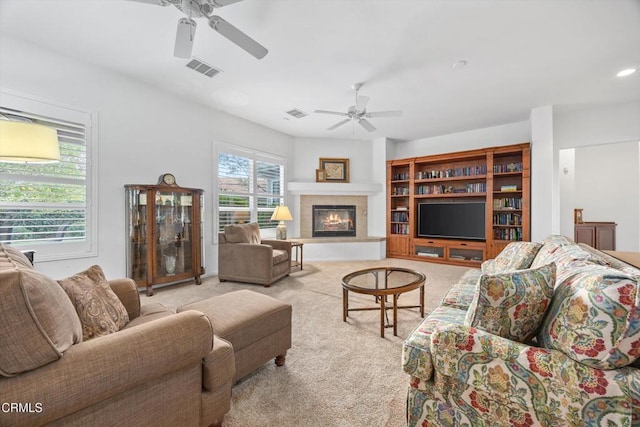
281	214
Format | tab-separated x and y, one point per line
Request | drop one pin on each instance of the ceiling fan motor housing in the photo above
358	112
195	8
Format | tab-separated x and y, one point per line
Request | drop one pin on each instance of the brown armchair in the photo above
244	257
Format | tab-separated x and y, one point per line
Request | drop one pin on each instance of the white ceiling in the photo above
520	54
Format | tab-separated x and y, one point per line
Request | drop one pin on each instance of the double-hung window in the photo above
47	207
249	186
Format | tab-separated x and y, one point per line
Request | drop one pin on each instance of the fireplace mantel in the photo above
328	188
360	247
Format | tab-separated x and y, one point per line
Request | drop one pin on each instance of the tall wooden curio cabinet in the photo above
164	233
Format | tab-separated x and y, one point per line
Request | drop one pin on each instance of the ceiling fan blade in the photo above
156	2
222	3
395	113
362	102
335	113
367	125
238	37
339	124
185	35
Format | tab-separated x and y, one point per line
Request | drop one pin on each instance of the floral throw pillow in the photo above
100	311
594	317
512	305
515	256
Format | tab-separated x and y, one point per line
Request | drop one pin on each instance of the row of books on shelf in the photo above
399	228
452	173
400	191
401	176
507	219
507	203
507	167
477	187
507	234
399	217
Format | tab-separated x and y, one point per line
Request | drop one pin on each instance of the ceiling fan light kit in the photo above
185	33
358	112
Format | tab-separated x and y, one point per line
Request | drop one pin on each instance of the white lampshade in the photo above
281	214
23	142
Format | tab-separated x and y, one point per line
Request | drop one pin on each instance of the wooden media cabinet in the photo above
499	177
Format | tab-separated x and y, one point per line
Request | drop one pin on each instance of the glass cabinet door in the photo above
173	232
137	228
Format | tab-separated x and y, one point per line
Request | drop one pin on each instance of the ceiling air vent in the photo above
202	68
297	113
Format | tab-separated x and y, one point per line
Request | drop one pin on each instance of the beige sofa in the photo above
161	369
244	257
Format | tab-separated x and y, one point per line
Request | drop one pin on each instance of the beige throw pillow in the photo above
37	321
12	257
100	311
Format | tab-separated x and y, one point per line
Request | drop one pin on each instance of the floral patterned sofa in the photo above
545	334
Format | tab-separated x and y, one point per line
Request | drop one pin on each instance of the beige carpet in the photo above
336	373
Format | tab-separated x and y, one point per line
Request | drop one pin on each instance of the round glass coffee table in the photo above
382	282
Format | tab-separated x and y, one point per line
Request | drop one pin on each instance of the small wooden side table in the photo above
297	262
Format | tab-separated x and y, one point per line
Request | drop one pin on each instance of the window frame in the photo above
55	251
255	156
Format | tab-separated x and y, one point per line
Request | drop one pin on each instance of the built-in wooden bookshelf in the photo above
497	176
399	196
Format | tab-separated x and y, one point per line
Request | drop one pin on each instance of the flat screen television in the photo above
463	220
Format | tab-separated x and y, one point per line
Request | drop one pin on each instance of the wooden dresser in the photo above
599	235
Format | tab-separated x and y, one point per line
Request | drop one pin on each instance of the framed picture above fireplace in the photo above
335	170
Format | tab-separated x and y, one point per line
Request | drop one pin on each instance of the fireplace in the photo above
333	220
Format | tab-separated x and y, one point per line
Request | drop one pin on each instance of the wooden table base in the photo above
383	309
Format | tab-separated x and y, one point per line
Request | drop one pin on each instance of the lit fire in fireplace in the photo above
334	221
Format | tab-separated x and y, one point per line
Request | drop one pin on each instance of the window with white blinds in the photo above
45	207
249	187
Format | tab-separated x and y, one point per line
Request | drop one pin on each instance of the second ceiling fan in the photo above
358	112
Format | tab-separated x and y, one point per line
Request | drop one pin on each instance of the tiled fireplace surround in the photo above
307	201
361	247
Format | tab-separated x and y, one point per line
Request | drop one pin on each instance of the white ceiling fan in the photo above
358	112
204	9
